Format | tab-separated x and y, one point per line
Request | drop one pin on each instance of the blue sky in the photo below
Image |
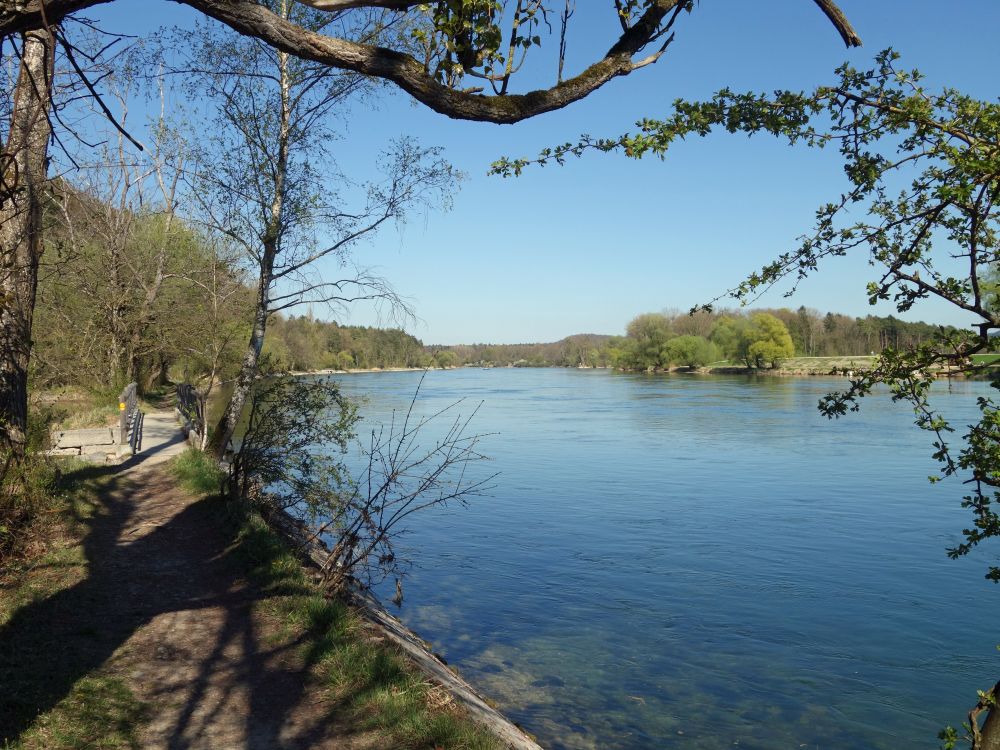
586	247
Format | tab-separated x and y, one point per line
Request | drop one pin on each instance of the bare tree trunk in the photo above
271	246
988	736
224	430
991	731
156	372
203	399
24	164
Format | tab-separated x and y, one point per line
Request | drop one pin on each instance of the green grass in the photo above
29	496
986	359
197	472
382	690
100	712
33	580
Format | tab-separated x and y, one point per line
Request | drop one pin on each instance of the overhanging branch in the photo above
249	18
839	20
337	5
405	71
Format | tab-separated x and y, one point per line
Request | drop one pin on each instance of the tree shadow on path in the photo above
152	554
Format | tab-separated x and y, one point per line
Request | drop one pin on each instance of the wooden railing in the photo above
191	406
130	419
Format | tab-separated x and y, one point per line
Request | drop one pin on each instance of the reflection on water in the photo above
699	562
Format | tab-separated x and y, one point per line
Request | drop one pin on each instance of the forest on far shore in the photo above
139	296
651	341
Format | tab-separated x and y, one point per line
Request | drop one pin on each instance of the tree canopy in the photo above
458	40
440	49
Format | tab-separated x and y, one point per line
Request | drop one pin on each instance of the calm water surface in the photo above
700	562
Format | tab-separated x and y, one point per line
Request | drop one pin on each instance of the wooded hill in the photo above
652	341
141	295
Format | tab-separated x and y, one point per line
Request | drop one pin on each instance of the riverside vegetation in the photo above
127	295
443	44
164	301
376	693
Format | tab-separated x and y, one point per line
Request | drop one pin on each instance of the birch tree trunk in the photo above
271	247
24	164
249	367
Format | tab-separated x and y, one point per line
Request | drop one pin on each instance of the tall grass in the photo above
382	688
197	472
99	712
28	490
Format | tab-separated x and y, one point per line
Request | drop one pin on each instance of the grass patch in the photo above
42	524
986	359
197	472
74	408
100	415
379	686
28	581
100	712
28	497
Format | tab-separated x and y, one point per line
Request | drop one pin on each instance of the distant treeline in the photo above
761	338
587	348
303	343
126	296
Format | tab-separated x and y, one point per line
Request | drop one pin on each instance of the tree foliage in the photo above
292	458
691	351
291	452
260	183
305	343
119	296
767	342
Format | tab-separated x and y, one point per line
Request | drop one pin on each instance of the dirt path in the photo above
164	606
218	675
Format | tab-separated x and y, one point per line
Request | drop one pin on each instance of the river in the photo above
700	562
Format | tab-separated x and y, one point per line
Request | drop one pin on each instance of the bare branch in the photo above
249	18
338	5
839	20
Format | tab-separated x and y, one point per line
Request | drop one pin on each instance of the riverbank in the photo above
796	366
800	367
147	613
364	370
816	366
